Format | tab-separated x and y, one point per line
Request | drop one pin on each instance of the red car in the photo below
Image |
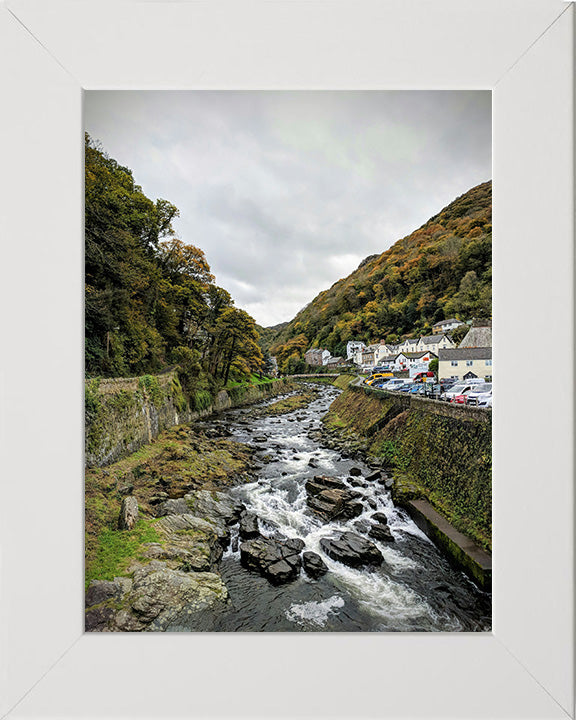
461	399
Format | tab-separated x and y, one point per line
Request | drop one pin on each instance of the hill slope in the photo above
443	269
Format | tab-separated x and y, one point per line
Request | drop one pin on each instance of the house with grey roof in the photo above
465	362
444	326
407	360
316	356
433	343
477	336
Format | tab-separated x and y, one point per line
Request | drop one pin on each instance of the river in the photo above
414	590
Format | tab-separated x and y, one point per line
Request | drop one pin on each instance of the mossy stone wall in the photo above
436	452
122	414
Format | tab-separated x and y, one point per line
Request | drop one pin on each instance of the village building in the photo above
478	336
316	356
407	360
408	345
463	363
368	356
444	326
384	352
433	343
352	347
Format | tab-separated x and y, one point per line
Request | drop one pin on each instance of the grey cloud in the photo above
286	191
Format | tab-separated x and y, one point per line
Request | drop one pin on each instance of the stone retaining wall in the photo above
407	401
436	451
123	414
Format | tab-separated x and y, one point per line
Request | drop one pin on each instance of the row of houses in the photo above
472	358
371	355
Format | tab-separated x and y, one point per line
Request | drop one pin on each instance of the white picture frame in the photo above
53	49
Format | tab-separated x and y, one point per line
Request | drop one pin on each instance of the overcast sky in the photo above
286	192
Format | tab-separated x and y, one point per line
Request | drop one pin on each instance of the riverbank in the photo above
186	470
123	414
437	454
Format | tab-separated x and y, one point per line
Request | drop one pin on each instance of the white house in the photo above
385	352
352	347
446	325
406	360
465	362
409	345
434	343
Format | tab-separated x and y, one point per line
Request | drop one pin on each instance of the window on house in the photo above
469	363
488	362
454	363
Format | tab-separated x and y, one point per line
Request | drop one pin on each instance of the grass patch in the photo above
116	549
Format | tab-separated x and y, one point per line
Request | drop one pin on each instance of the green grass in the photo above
254	380
115	550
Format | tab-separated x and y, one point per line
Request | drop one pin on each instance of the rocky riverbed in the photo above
302	535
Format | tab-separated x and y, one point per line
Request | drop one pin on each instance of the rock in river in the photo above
352	550
249	528
330	498
381	532
278	561
314	565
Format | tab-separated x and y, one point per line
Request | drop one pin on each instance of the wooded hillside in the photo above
150	299
442	270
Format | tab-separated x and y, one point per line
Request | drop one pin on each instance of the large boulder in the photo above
352	550
278	561
380	518
157	597
381	532
160	594
128	513
313	564
331	498
190	543
249	528
217	507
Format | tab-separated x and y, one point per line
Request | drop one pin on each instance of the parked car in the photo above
486	402
394	383
458	389
462	398
479	393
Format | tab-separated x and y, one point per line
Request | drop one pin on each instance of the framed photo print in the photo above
259	260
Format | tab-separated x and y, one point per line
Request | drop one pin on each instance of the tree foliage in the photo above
442	270
150	300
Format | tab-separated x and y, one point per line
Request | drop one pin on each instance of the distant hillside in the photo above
443	269
268	335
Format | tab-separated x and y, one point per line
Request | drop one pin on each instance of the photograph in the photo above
259	261
288	361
